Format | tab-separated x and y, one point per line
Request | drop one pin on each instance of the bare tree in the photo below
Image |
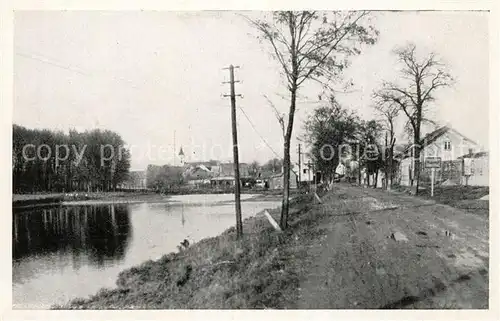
311	45
389	112
416	88
279	117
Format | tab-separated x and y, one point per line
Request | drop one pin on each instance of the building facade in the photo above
444	142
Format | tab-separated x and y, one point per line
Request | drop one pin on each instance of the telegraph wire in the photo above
256	131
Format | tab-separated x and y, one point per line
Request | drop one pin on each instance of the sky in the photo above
156	78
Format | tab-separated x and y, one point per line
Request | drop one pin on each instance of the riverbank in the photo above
75	198
360	249
43	199
258	271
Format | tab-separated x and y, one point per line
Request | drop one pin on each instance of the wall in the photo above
459	147
450	173
277	181
480	172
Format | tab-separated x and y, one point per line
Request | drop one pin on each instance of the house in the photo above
222	181
227	169
199	172
276	181
306	173
476	169
444	142
198	182
341	169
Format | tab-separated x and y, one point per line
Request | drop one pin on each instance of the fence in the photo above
469	171
449	173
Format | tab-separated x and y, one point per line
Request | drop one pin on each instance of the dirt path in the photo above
443	263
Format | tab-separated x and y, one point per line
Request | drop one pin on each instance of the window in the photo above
305	171
447	145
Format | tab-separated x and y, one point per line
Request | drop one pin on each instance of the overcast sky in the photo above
148	75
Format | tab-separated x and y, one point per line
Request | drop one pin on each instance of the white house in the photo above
306	172
444	142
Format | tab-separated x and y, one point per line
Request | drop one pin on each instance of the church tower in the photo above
181	156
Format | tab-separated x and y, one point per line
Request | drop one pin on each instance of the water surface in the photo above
64	252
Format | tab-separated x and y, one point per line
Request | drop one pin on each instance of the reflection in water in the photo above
99	232
65	252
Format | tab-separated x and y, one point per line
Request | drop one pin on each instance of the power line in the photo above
51	63
255	129
55	63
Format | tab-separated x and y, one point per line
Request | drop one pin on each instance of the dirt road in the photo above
388	250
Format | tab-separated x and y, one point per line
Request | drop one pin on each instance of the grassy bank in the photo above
341	254
42	199
463	197
34	200
260	271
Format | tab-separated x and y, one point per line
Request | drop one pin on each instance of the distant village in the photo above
458	168
216	174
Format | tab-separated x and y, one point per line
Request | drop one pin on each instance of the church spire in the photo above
181	156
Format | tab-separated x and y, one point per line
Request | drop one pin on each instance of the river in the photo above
64	252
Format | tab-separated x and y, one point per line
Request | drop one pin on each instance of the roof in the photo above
203	167
223	178
433	136
208	164
181	152
474	155
281	174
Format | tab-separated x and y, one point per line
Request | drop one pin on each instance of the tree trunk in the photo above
376	179
388	178
286	186
286	160
416	158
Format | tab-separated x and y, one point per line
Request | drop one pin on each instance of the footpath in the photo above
391	250
361	248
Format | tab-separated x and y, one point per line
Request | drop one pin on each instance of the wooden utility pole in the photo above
300	171
239	222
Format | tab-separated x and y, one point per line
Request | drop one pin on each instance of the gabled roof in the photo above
474	155
203	167
181	152
433	136
196	164
223	178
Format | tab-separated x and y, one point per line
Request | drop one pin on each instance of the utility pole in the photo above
309	174
239	222
300	173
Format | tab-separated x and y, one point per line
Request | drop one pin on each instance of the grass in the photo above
28	200
334	255
459	196
260	271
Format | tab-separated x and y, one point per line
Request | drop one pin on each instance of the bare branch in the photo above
279	117
441	79
333	47
265	29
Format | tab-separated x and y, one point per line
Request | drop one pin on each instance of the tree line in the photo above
338	135
53	161
314	46
331	128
